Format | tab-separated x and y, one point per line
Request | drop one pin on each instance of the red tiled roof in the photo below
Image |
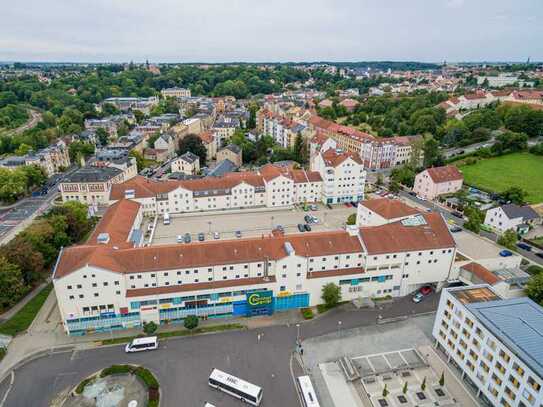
200	254
444	174
206	137
481	272
349	103
334	158
395	237
117	222
389	208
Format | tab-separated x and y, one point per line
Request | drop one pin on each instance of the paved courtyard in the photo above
252	223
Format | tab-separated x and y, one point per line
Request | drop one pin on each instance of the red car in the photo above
421	293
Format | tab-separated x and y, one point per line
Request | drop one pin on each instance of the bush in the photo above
190	322
147	377
351	220
307	313
149	328
81	386
116	369
533	269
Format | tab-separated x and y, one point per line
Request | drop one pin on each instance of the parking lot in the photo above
252	223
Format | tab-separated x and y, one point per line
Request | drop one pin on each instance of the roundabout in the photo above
115	386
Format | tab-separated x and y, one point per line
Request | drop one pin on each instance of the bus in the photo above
166	218
309	397
236	387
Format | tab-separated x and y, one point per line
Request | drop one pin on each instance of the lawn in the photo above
496	174
22	319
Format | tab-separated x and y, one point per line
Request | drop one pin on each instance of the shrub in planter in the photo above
116	369
307	313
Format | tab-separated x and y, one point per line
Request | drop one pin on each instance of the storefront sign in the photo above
259	299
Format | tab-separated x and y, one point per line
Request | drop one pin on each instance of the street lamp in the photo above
297	333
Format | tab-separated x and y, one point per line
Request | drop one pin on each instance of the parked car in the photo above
457	214
424	291
301	227
216	235
506	253
307	228
150	227
201	237
412	193
187	238
179	239
238	234
280	228
329	206
313	207
314	219
308	218
455	229
354	204
524	246
540	255
348	204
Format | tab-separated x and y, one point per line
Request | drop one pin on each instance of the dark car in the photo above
540	255
524	246
308	218
455	229
187	238
329	206
301	227
506	253
354	204
307	228
238	234
280	228
201	237
412	193
457	214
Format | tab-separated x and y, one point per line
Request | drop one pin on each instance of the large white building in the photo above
497	344
271	187
510	217
112	282
343	176
176	93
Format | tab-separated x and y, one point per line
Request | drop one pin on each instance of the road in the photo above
35	118
27	207
182	365
460	222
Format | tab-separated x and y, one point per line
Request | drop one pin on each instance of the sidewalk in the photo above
13	310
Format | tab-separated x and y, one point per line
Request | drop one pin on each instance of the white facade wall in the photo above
493	368
342	183
426	188
498	220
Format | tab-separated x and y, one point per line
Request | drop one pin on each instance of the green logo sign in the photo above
260	298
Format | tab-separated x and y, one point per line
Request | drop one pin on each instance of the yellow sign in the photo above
225	299
257	299
284	294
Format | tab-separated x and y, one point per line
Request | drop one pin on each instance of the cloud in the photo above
455	3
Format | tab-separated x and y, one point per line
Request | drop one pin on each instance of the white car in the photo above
179	239
141	344
315	219
216	235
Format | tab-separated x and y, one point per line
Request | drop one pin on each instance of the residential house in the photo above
231	152
436	181
511	217
188	163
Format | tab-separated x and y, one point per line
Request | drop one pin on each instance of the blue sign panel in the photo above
260	302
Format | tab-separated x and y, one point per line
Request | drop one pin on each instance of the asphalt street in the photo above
183	365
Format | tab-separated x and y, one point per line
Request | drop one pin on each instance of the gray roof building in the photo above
518	324
93	174
514	211
189	157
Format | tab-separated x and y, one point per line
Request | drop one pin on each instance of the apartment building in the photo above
109	125
343	176
112	283
52	159
90	185
495	343
436	181
187	163
133	103
224	128
231	152
283	130
176	93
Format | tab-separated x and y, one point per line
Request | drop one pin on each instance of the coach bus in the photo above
309	397
236	387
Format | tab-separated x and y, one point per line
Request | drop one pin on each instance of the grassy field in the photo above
496	174
22	319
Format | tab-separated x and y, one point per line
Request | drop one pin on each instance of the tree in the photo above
190	322
149	328
300	152
30	262
80	149
515	195
35	175
385	391
534	288
23	149
194	144
13	184
151	140
404	389
533	269
442	379
475	218
11	283
508	239
394	186
103	136
379	180
423	384
331	295
351	219
404	175
432	156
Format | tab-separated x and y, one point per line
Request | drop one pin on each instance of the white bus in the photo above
236	387
141	344
166	218
309	397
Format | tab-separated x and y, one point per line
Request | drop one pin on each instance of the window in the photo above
71	297
96	294
69	287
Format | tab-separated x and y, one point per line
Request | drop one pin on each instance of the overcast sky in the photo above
271	30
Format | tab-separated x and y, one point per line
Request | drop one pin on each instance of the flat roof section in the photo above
518	323
471	295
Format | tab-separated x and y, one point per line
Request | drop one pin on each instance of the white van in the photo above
166	218
141	344
208	404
